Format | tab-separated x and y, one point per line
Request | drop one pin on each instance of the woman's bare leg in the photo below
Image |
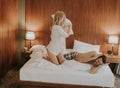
61	58
52	57
85	57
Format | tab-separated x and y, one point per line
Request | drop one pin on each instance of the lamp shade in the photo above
113	39
30	35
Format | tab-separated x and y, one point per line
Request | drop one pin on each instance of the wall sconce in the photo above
113	39
30	36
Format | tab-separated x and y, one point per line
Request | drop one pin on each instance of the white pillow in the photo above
38	48
83	47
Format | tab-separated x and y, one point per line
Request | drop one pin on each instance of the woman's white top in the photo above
57	43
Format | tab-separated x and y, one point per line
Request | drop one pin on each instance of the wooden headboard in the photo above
92	20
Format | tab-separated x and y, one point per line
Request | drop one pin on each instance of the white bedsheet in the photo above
70	72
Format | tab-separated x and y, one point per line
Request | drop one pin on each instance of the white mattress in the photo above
70	72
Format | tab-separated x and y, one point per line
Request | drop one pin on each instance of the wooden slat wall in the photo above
8	34
93	20
0	36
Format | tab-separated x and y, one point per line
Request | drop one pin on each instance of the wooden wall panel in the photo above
8	34
92	20
0	36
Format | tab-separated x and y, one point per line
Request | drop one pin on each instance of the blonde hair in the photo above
59	18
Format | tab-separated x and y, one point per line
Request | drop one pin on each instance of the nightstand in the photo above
25	56
113	60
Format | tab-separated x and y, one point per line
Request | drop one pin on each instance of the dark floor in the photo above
9	80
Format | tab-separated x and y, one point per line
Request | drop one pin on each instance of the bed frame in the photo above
30	84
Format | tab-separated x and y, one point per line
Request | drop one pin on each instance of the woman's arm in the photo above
67	29
94	69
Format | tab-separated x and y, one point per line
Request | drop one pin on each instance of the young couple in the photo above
61	29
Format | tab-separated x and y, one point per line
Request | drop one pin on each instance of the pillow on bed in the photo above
38	48
83	47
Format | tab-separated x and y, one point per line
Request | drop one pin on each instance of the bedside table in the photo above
25	56
113	60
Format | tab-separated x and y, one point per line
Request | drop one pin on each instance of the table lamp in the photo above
30	36
113	39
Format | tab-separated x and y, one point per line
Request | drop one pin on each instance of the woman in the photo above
96	60
58	36
67	28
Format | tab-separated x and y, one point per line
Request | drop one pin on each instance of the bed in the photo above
40	73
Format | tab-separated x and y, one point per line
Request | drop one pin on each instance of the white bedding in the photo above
70	72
